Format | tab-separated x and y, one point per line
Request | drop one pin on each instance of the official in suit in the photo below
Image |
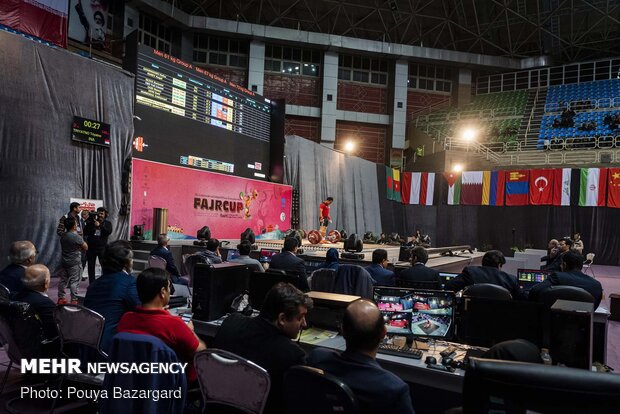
570	275
378	271
289	262
418	272
376	389
489	272
162	251
22	254
36	283
115	292
564	246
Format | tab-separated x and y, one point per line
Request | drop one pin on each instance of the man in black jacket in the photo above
22	254
36	282
489	272
97	231
564	246
162	251
570	275
266	339
289	262
418	272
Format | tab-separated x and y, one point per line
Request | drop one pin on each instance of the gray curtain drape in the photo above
41	89
318	172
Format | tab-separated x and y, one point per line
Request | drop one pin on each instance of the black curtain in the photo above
41	89
489	227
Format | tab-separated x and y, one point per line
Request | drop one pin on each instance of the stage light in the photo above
349	146
457	168
469	134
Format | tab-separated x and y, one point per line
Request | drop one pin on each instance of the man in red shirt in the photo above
324	217
153	319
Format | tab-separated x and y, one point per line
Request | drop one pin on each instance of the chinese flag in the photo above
541	187
613	188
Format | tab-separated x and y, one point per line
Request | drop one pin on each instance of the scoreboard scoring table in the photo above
169	84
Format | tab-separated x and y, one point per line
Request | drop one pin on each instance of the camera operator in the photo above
97	230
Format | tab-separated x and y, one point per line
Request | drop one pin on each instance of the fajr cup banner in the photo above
227	204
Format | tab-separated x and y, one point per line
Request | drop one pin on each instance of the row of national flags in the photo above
586	187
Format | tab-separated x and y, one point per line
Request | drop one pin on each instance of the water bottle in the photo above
544	355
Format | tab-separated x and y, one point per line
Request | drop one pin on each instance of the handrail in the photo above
584	104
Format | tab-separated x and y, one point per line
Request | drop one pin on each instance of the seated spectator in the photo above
376	389
153	319
418	272
36	281
577	243
570	274
288	261
266	339
519	350
331	259
552	251
114	293
378	271
556	123
21	254
162	251
564	246
212	251
245	247
489	272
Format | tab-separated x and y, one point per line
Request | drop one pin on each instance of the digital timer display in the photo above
90	132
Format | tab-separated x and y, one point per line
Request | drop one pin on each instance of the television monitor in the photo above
530	277
267	254
261	282
446	277
215	288
232	254
416	312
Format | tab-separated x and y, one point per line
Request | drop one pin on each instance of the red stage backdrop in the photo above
228	205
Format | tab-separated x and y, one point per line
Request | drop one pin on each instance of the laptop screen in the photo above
232	254
532	275
445	277
417	312
267	254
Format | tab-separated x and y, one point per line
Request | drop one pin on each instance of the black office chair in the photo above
5	293
517	387
487	291
420	284
322	280
309	390
548	296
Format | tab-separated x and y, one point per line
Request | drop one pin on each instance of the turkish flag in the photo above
613	187
541	187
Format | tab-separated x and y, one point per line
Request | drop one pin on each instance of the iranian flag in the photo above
454	188
592	187
418	188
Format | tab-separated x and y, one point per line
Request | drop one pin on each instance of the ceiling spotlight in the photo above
349	146
469	134
457	168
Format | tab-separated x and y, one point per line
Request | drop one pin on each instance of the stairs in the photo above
530	124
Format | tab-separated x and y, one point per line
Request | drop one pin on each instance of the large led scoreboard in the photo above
186	115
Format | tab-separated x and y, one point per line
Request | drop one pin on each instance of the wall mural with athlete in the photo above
227	204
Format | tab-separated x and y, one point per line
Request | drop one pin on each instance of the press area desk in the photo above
411	370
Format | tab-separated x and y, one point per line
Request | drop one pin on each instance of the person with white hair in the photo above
21	255
36	282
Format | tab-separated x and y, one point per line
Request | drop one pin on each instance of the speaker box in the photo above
571	333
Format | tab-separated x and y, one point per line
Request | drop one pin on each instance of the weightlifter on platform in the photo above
324	217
